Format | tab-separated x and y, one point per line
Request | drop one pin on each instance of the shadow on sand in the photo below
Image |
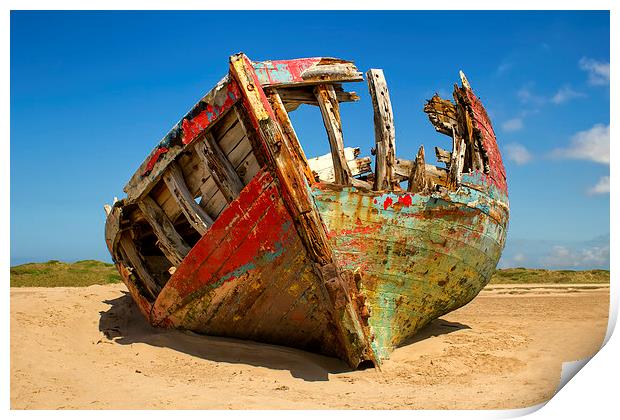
124	324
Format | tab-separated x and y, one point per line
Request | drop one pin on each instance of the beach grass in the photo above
88	272
61	274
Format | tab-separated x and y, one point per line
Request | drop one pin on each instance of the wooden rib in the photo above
417	177
129	250
220	167
282	117
169	241
196	216
384	130
330	111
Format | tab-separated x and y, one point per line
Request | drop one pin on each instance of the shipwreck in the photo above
227	228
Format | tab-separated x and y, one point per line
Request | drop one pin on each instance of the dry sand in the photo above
90	348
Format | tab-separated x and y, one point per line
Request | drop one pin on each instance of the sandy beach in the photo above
90	348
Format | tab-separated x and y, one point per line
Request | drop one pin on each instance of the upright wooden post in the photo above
196	216
221	169
170	242
330	110
385	178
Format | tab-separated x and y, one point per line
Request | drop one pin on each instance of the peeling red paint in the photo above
387	203
154	158
192	128
405	200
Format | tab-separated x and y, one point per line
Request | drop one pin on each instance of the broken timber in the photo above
229	229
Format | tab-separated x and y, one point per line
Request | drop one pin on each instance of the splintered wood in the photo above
384	131
330	111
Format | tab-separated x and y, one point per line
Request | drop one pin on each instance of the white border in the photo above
593	394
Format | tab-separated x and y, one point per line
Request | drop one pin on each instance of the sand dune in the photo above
90	348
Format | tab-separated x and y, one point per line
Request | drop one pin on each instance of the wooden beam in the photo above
196	216
282	117
304	95
133	257
418	181
169	241
443	156
221	169
384	131
330	111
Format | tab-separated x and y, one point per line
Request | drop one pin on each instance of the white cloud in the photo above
601	187
565	94
592	144
526	96
519	257
562	256
513	124
517	153
598	71
503	67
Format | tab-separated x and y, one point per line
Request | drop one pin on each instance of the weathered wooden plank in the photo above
196	216
418	181
384	130
330	112
170	242
208	110
304	95
282	117
443	156
134	259
305	71
221	169
322	166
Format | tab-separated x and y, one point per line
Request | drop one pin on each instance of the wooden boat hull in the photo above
227	229
414	257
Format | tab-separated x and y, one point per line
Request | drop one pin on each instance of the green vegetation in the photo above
530	276
56	273
87	272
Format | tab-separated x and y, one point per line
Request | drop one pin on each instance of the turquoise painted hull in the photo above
414	257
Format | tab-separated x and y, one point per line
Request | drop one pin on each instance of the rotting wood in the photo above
418	181
330	112
130	251
221	169
304	95
441	113
196	216
305	71
384	131
282	117
169	241
457	159
443	156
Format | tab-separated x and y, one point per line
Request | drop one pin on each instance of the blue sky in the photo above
93	92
